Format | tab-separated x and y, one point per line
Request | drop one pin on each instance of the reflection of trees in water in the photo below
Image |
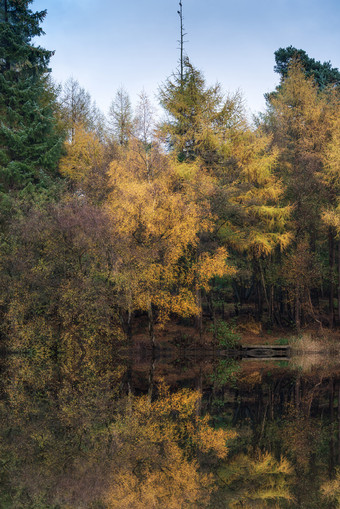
101	434
54	439
73	436
290	414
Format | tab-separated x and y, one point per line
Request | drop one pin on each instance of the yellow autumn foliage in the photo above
331	489
258	481
210	265
83	154
158	442
159	217
330	175
256	194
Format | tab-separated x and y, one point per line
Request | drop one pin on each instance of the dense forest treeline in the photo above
203	214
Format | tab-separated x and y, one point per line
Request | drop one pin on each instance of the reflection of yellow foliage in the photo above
331	489
251	379
157	446
256	481
298	434
177	483
210	439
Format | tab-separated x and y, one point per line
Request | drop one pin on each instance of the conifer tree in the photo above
299	116
144	141
77	110
30	144
322	73
196	115
120	117
331	214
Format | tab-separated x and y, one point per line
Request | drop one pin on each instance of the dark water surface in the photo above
97	431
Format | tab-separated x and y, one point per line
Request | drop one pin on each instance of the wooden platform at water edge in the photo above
266	351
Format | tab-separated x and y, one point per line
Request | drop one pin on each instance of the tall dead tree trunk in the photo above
181	42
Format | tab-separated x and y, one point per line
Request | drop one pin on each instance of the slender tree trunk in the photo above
339	280
271	402
297	393
126	321
210	301
199	314
151	327
312	310
259	302
151	379
259	281
198	294
339	424
331	439
129	373
199	388
180	13
297	310
271	304
237	299
331	276
264	286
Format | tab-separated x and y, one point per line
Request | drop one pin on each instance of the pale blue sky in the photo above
109	43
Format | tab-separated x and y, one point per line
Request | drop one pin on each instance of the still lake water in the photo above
179	431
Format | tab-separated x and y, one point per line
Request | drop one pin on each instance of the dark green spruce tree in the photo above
323	73
30	141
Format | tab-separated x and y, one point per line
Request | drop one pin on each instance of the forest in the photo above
203	216
201	221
